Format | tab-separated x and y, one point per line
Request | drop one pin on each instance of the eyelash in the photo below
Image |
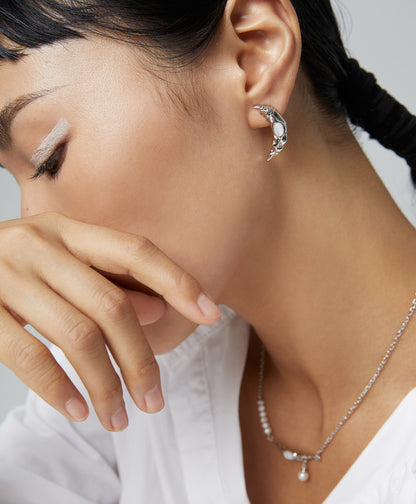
52	165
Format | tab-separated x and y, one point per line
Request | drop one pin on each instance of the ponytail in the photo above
376	111
343	88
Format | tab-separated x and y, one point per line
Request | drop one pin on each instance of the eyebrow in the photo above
10	111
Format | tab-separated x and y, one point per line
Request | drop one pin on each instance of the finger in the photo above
149	309
32	362
128	254
80	339
110	309
148	305
18	319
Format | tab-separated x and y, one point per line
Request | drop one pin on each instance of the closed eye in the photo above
52	165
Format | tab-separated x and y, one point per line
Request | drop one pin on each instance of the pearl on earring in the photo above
279	128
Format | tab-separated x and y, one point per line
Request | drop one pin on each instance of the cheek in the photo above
135	180
161	177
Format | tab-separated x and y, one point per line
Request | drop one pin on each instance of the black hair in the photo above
177	32
341	86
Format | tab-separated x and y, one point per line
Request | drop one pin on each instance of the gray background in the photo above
381	35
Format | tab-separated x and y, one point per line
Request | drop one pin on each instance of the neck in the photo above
329	275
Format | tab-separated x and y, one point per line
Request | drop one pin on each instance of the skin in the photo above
309	248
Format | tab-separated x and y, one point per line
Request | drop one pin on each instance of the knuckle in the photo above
50	380
30	357
48	220
6	264
147	368
48	216
55	216
115	304
186	282
22	235
35	363
109	394
137	246
56	221
83	335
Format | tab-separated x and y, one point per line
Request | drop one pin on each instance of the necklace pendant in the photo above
303	474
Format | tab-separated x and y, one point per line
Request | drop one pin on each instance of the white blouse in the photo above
190	452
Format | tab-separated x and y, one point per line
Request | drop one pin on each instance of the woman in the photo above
166	150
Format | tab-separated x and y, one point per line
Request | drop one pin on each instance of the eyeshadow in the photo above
50	142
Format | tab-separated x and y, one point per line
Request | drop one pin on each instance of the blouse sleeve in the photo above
45	458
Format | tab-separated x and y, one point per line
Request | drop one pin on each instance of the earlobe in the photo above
270	53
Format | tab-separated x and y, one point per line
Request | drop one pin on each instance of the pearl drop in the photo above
303	476
278	129
263	414
268	431
261	407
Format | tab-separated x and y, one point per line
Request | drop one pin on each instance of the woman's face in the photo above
134	159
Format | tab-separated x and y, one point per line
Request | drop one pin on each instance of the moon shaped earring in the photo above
279	127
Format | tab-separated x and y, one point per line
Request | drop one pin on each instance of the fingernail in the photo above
76	409
208	307
119	420
154	400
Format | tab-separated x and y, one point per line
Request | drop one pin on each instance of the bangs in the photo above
31	24
177	29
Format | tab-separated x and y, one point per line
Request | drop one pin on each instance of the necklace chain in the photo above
292	455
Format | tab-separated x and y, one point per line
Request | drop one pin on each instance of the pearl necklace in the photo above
304	459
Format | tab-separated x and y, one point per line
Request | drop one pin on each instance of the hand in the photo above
50	271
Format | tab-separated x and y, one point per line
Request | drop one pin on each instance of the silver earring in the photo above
279	128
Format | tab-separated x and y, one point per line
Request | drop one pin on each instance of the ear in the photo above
269	53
